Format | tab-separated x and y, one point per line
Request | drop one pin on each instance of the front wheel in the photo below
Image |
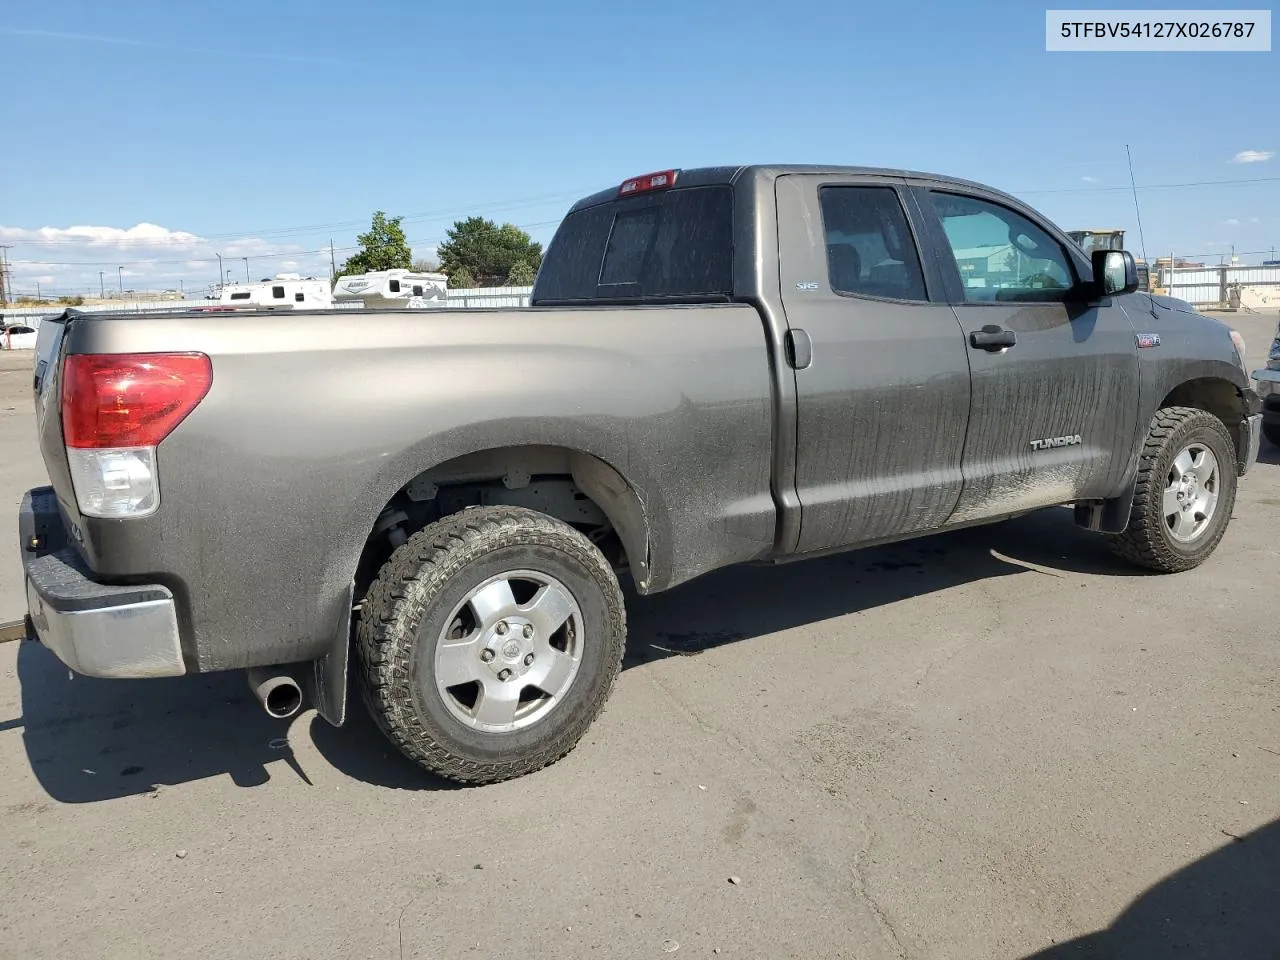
489	642
1184	493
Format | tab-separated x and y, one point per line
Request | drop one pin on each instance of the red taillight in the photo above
650	181
129	399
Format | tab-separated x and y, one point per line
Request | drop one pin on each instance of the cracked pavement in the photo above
927	750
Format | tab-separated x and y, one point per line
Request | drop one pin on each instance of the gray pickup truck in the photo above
719	366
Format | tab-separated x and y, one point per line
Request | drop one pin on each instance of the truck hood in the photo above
1159	302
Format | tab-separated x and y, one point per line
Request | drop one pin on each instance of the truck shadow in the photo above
90	740
1224	906
737	604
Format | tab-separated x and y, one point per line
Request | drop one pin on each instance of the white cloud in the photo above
85	259
145	234
1253	156
1231	222
1088	179
1254	220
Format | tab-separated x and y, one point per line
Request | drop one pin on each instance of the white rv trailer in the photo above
286	291
393	288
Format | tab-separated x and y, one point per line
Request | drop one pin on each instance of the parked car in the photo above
1267	383
720	366
18	336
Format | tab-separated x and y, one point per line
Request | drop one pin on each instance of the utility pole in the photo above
246	269
222	277
333	266
5	282
102	285
120	277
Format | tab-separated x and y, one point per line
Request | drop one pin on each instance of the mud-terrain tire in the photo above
1182	503
438	612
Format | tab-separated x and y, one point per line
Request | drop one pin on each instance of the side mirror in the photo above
1114	272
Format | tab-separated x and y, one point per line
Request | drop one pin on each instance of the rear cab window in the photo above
870	249
673	244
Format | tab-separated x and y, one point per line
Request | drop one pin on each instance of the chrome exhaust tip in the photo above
278	693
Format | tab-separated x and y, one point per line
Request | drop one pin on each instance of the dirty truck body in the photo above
719	366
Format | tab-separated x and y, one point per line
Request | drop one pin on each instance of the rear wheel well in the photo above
1219	397
571	486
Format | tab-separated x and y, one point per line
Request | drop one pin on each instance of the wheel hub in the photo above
508	649
1191	492
502	663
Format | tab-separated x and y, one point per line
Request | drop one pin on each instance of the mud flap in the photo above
325	684
1105	516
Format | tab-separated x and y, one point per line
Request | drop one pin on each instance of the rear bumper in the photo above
96	629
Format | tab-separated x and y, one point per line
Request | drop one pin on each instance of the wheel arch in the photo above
562	481
1215	395
1208	391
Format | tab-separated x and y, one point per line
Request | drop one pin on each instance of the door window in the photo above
1000	254
870	251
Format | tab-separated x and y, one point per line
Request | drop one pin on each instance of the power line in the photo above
1152	186
282	255
499	207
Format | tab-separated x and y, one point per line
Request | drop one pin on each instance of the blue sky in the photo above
265	129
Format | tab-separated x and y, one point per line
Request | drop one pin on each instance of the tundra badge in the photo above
1051	442
1147	340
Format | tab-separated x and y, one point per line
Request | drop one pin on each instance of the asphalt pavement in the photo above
996	743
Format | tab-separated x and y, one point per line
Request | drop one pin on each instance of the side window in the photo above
417	290
277	292
299	297
395	286
1001	255
870	251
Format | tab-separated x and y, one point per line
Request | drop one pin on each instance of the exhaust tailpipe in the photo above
278	693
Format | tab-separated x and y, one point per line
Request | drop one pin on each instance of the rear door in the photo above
1055	374
884	401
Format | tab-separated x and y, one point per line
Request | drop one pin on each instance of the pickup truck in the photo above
719	366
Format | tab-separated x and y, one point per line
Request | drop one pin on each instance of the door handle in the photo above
993	338
799	349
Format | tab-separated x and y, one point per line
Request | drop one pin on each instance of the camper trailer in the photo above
393	288
286	291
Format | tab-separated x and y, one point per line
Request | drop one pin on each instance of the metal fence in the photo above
1205	286
463	298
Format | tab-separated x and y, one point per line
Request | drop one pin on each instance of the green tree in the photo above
383	247
426	265
461	278
486	251
521	274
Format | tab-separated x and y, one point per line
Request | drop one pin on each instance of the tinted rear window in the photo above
662	246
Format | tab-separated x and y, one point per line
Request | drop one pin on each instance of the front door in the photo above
1055	374
884	402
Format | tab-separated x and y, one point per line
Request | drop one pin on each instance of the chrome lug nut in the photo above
528	659
486	655
528	630
502	627
504	675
